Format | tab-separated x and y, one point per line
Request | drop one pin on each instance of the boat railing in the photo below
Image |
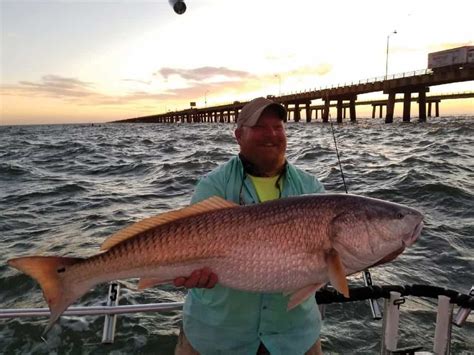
393	295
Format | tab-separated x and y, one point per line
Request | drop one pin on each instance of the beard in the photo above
265	162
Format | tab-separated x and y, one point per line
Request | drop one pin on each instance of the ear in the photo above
238	134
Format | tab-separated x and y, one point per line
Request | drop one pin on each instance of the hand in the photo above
201	278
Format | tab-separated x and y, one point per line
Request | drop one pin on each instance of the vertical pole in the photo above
391	320
422	106
352	110
111	320
326	110
406	106
297	116
390	107
339	111
442	338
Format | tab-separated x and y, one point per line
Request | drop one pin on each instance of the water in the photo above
64	188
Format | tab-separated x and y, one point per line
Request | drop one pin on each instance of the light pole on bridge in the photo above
386	57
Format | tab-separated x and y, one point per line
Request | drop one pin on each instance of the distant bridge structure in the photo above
342	97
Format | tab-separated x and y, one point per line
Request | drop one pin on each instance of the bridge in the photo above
342	97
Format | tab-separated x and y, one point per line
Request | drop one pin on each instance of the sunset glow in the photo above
98	61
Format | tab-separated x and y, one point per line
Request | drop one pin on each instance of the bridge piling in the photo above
297	114
390	107
422	106
326	112
406	106
352	110
308	111
339	111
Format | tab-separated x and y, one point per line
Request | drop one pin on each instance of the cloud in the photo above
319	70
138	81
51	86
203	73
193	84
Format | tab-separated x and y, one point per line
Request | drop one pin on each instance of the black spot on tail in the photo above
61	270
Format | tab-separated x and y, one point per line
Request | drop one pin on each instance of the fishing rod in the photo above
374	306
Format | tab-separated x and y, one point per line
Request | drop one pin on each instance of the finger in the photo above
212	280
192	281
204	279
179	281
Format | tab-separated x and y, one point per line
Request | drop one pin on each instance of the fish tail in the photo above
50	273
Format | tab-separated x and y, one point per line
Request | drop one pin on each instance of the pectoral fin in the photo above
337	273
150	282
299	296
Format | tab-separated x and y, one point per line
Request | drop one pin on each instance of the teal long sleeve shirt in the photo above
222	320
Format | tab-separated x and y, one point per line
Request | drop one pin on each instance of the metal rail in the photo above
393	295
92	310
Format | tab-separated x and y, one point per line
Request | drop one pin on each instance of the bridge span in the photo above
342	97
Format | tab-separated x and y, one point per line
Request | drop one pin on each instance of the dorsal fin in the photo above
211	204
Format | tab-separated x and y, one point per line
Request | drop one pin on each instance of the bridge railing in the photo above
363	81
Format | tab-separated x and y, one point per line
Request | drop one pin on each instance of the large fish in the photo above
293	245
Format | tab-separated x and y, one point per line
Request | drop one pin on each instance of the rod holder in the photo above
374	305
463	313
111	320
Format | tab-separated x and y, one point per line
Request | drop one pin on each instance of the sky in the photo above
71	61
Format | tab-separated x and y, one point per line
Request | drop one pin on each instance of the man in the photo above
220	320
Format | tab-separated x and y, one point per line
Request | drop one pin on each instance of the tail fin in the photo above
50	273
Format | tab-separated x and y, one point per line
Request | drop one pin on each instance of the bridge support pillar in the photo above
339	111
352	110
325	114
406	106
297	114
436	108
390	107
422	106
308	111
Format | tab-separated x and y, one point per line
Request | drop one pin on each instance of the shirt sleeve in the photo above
208	186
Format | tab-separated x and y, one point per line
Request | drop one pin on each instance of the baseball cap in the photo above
252	111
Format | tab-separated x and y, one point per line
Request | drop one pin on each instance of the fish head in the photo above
371	232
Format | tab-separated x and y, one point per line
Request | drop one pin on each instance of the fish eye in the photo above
400	215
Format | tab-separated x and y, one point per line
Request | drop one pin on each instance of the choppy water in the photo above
64	188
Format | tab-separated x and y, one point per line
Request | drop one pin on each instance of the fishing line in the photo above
335	145
374	306
337	153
